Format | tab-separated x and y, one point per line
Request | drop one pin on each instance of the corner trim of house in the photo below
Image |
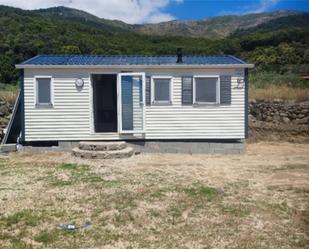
246	103
22	103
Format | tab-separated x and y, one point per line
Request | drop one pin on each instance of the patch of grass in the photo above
305	215
104	236
270	93
262	79
202	191
293	167
123	200
239	211
270	85
3	163
123	218
71	166
281	209
8	92
60	183
47	237
301	241
77	174
5	236
8	87
154	213
158	194
19	244
27	216
301	190
176	209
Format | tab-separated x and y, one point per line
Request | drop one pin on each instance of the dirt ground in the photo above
256	200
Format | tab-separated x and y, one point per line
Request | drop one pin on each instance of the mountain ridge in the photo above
211	27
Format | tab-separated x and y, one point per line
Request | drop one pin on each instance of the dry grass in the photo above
279	92
8	93
8	96
257	200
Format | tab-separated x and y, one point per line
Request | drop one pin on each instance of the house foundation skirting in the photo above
162	146
193	147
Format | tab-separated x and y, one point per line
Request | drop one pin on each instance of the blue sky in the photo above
199	9
154	11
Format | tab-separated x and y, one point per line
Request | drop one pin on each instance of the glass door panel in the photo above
132	89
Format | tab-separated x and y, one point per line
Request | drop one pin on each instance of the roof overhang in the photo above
173	66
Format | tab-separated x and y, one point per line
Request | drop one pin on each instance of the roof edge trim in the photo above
29	66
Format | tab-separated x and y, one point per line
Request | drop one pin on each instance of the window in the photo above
206	90
43	91
162	90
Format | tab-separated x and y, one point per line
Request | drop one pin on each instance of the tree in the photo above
70	50
7	69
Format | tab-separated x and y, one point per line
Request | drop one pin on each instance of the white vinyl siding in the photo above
197	122
71	117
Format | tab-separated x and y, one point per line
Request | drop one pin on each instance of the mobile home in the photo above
172	103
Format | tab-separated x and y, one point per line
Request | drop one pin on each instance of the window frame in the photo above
161	102
44	105
217	102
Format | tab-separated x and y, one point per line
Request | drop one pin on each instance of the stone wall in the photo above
279	111
279	121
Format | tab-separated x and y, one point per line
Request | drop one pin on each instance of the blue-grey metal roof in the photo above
131	60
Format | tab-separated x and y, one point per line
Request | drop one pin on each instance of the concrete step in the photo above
102	146
112	154
6	148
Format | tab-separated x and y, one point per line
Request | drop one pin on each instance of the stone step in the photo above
5	148
102	146
112	154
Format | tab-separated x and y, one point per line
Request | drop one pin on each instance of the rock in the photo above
220	190
286	120
4	110
276	117
268	119
305	104
102	146
112	154
301	121
282	114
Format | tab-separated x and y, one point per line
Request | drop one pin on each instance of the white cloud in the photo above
130	11
261	6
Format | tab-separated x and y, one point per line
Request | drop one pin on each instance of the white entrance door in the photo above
131	102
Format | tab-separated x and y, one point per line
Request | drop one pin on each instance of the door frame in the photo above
119	97
92	125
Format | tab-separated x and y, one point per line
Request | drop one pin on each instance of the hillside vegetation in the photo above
272	41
